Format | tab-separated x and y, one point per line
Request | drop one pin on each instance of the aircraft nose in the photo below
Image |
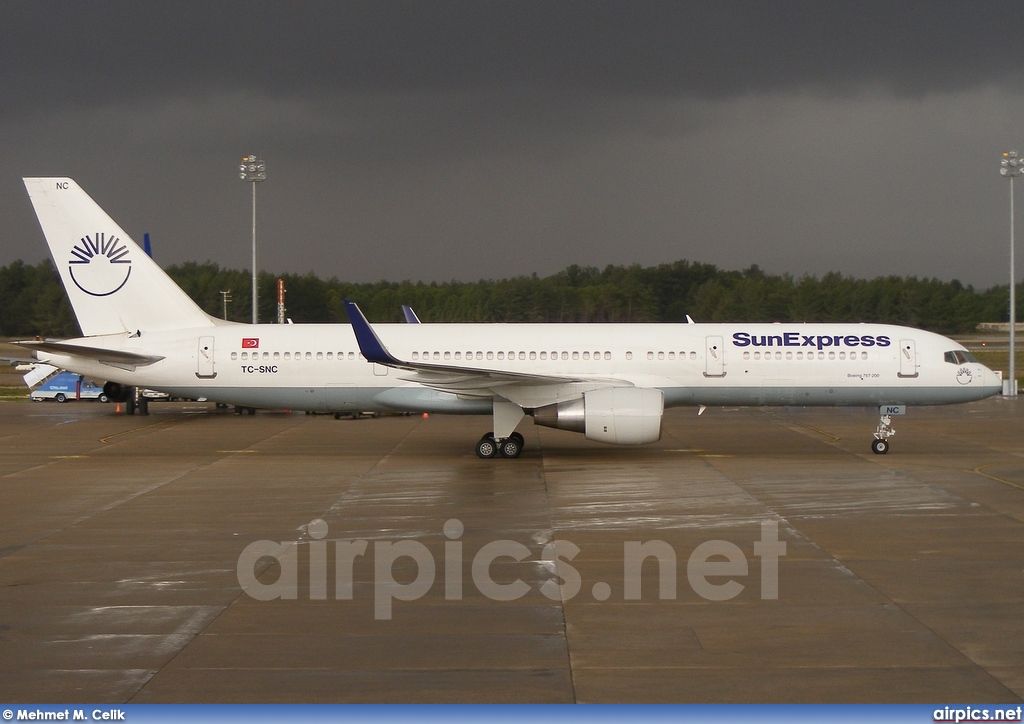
993	381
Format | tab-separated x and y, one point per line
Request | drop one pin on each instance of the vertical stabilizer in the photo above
113	285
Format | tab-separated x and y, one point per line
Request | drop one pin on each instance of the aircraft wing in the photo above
455	378
113	357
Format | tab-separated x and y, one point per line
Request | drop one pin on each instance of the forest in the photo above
33	303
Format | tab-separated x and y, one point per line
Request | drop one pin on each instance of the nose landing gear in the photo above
880	445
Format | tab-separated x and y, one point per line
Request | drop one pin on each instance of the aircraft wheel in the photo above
486	447
520	438
510	447
879	447
104	398
60	397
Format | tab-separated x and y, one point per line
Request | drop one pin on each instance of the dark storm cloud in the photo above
59	53
436	140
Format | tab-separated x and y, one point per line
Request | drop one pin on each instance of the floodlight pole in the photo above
226	296
254	170
1011	167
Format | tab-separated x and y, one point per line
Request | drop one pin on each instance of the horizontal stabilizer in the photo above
113	357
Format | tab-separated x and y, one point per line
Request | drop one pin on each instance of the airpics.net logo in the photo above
713	569
100	264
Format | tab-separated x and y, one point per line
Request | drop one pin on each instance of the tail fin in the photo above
113	285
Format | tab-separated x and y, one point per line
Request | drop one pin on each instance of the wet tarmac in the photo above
123	539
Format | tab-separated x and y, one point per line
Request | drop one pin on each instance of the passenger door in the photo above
204	359
908	358
714	357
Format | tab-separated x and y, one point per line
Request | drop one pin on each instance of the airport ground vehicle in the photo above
68	386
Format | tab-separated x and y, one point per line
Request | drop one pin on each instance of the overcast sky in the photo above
466	140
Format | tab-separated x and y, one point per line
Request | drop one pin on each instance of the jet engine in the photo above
617	415
117	392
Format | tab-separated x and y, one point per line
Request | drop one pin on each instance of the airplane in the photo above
610	382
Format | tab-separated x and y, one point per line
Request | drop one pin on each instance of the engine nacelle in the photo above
116	392
616	415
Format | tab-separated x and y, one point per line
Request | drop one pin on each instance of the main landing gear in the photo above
504	441
510	447
880	445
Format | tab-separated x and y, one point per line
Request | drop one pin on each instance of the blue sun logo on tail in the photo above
100	264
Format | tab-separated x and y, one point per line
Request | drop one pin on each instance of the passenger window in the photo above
234	355
447	355
607	355
501	355
586	355
629	355
277	355
650	355
533	355
543	355
575	355
415	355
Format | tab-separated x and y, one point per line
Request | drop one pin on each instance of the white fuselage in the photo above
319	367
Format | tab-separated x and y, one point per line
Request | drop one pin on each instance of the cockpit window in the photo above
959	357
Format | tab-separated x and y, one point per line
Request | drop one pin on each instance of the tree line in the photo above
32	300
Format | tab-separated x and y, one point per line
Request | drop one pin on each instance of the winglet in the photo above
410	316
369	344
